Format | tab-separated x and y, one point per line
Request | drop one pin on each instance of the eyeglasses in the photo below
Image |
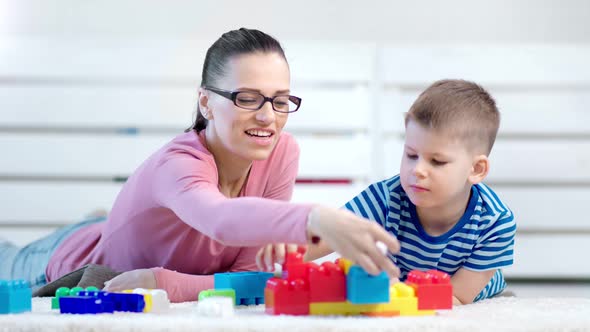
254	101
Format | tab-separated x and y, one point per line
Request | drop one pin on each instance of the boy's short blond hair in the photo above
459	108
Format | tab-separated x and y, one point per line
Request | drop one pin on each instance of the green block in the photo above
224	292
62	291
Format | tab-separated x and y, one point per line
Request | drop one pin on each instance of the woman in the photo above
210	198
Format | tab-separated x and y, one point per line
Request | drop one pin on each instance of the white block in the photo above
216	306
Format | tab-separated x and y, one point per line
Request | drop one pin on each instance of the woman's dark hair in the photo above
230	44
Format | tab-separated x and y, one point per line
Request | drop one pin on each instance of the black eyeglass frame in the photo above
232	95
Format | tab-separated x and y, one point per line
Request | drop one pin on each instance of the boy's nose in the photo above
419	170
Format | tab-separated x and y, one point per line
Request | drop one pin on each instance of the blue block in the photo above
124	301
84	305
249	286
363	288
15	296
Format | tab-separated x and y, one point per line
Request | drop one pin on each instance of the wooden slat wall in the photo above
87	112
541	158
78	120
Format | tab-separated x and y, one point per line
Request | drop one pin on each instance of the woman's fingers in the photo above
386	238
367	264
268	257
355	238
259	258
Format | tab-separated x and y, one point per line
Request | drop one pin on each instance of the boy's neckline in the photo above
469	211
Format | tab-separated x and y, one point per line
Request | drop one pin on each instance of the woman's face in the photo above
249	135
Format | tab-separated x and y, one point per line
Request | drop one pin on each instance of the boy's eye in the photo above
438	162
412	156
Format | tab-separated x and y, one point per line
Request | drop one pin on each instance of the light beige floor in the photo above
550	289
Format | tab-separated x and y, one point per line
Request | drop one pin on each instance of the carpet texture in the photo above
500	314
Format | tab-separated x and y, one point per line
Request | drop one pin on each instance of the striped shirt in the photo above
483	239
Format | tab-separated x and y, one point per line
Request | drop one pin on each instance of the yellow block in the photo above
402	300
147	298
344	264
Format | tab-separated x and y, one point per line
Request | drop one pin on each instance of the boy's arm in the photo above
467	284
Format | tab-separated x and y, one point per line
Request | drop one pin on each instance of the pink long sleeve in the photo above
183	287
186	183
171	215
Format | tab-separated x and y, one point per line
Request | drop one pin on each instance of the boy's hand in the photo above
270	254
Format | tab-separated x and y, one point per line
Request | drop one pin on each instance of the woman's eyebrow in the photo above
257	90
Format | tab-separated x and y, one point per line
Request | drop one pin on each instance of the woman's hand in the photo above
354	238
270	254
142	278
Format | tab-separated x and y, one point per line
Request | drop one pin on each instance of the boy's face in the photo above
435	168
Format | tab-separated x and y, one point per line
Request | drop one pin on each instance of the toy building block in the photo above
294	267
124	302
156	300
433	289
229	292
327	283
362	287
84	305
121	301
15	296
65	291
249	286
216	306
289	297
402	303
344	264
160	300
403	299
147	298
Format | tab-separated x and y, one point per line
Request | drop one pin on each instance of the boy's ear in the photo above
480	169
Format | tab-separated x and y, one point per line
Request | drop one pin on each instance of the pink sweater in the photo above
170	216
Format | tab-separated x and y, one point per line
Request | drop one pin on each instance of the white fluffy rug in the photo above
501	314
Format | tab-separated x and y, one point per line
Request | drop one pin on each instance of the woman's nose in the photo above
266	114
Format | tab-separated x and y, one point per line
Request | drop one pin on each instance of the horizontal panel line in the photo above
60	178
12	178
500	87
548	280
584	183
98	81
173	131
533	137
90	130
95	80
556	232
36	224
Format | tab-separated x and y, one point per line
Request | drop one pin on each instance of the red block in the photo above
290	297
327	283
294	267
433	289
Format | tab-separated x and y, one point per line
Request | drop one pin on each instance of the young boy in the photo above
437	207
442	214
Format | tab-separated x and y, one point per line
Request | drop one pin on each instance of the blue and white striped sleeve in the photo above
495	247
371	203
